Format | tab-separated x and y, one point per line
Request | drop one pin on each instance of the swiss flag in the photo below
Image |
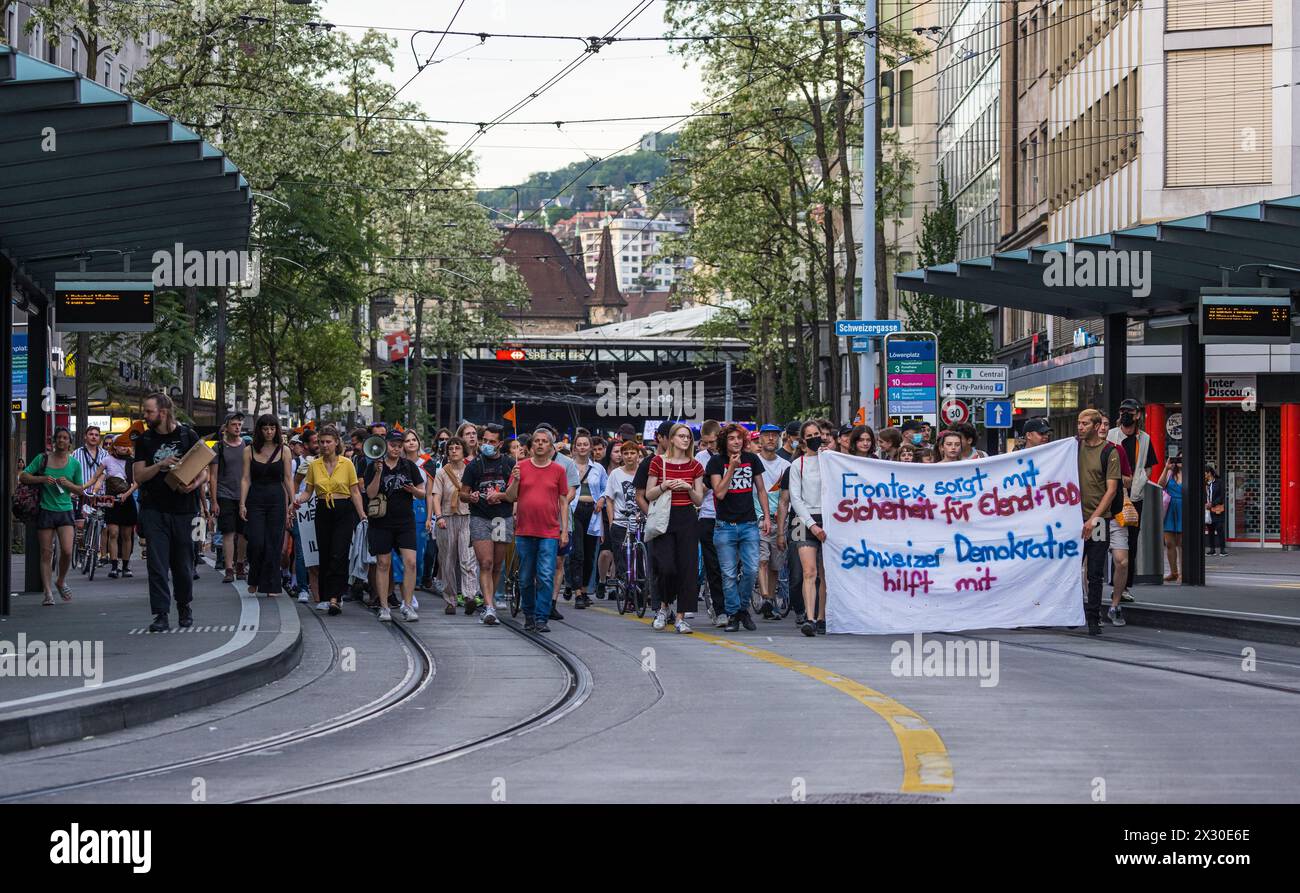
399	345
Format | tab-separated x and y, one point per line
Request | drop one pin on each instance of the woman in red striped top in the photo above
675	550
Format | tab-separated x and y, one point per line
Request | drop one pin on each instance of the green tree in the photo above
964	335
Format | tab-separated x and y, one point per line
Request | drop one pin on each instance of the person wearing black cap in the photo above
1037	432
393	482
1142	456
224	482
789	442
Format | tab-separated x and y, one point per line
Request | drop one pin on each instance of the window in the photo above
122	78
886	99
905	98
1187	15
11	26
108	71
75	47
34	40
1219	124
52	50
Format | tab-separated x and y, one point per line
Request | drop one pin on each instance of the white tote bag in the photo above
656	521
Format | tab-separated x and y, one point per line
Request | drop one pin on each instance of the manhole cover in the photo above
868	797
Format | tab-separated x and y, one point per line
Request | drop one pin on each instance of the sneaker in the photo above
160	624
748	621
808	628
385	614
1094	630
1126	596
229	577
684	627
768	609
672	616
126	571
661	619
555	615
800	619
689	615
1116	616
567	593
394	601
409	614
415	601
530	625
821	627
304	597
722	621
322	607
542	627
733	625
112	572
600	589
335	609
185	616
489	617
581	602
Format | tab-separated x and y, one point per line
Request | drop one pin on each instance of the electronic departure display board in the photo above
89	302
1245	316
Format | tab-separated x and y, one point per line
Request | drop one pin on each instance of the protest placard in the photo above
306	517
985	543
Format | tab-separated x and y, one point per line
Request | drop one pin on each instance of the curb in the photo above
1227	624
101	714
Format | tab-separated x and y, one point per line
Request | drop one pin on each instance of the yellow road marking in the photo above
926	766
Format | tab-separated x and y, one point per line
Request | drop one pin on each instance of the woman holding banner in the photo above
807	533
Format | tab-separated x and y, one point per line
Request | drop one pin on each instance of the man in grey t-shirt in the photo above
227	472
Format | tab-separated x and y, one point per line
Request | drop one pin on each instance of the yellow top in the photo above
340	483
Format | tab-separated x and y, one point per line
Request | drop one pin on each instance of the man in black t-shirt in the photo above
735	475
168	517
491	521
394	481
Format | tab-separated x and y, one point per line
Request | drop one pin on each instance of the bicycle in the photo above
514	597
631	591
86	553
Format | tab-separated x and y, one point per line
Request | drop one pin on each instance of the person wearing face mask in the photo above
913	431
1141	456
806	531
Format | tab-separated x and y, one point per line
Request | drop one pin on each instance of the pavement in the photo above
112	673
1249	593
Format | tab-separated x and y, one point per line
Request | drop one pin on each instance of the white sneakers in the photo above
408	613
385	615
488	616
684	627
661	618
320	606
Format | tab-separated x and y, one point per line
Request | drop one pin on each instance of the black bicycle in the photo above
631	590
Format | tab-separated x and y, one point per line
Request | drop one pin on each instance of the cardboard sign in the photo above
199	457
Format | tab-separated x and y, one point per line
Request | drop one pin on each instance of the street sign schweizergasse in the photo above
973	381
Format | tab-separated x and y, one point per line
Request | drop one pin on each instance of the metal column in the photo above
1193	569
1114	364
6	376
40	402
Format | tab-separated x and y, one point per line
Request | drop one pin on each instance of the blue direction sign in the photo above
997	413
867	327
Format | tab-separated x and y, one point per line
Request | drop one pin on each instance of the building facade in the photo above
114	67
1124	113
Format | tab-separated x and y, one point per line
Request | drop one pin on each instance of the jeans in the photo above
712	573
171	550
737	546
536	574
1094	558
421	515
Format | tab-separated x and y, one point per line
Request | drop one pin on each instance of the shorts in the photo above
1118	535
383	540
48	520
124	514
768	553
808	539
498	530
229	521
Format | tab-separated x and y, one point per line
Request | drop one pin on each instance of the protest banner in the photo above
985	543
306	517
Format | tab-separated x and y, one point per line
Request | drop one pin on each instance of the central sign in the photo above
974	381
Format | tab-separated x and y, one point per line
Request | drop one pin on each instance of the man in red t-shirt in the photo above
539	487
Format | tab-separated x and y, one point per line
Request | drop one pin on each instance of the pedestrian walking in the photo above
539	487
266	504
225	483
332	479
451	513
677	548
59	476
122	516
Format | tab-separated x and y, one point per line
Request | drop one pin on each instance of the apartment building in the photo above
114	67
637	241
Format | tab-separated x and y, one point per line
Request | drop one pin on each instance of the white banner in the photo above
306	517
985	543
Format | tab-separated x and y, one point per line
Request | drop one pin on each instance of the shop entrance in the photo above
1238	443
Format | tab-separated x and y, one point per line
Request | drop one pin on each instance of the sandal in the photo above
49	600
66	592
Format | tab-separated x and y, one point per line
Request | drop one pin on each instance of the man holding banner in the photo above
1099	476
984	543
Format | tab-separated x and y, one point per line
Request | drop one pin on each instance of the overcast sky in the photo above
480	81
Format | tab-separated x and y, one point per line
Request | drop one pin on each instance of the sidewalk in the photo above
98	669
1249	594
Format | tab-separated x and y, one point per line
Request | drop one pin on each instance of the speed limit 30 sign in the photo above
954	411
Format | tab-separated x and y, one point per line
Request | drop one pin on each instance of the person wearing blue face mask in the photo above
491	526
914	432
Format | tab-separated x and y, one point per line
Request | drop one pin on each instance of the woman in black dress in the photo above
265	504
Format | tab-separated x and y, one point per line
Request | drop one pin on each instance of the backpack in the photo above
27	499
1117	501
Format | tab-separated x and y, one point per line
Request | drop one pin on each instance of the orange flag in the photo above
510	416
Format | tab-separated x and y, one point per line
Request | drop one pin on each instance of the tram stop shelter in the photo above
94	183
1253	246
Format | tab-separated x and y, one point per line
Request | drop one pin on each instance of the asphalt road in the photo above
459	712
